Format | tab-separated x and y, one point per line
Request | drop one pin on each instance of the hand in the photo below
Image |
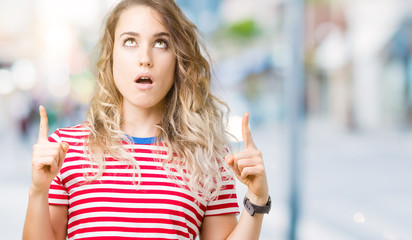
249	168
47	157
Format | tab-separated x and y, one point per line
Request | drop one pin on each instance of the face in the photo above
143	62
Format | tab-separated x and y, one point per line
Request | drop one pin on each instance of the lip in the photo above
144	86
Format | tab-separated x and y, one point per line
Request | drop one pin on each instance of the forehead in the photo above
140	19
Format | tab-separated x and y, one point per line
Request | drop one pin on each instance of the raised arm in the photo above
43	222
249	169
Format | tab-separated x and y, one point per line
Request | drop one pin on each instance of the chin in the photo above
145	105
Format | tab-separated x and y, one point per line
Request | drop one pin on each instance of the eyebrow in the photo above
160	34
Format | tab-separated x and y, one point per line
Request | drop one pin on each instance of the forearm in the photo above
37	224
248	227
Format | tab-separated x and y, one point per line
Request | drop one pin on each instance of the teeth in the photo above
144	80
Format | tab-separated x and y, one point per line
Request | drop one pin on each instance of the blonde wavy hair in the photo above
193	125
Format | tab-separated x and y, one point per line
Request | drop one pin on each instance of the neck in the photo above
141	122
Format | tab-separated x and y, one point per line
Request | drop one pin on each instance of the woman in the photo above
151	162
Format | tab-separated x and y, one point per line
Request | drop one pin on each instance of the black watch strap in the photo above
252	208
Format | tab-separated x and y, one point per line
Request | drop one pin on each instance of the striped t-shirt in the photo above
114	207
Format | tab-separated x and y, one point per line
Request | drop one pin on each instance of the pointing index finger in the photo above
247	136
44	125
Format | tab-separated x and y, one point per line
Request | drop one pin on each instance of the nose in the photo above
145	59
146	64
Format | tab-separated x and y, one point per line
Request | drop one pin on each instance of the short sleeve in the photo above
57	192
226	202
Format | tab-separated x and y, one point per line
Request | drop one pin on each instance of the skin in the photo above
44	221
141	47
249	168
142	110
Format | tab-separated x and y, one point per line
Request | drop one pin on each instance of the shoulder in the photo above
76	132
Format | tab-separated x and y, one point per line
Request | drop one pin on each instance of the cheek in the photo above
121	66
170	65
116	64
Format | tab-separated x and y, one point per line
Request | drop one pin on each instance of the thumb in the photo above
229	159
65	146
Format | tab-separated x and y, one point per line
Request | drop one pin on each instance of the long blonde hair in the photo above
193	123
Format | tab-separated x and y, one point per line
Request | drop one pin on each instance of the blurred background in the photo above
328	84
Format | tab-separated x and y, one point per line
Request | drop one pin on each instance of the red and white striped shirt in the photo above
113	207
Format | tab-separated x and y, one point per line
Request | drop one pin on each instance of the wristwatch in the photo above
252	208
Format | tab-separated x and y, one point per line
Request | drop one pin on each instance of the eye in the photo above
161	44
130	42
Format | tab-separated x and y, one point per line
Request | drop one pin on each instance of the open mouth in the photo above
144	80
